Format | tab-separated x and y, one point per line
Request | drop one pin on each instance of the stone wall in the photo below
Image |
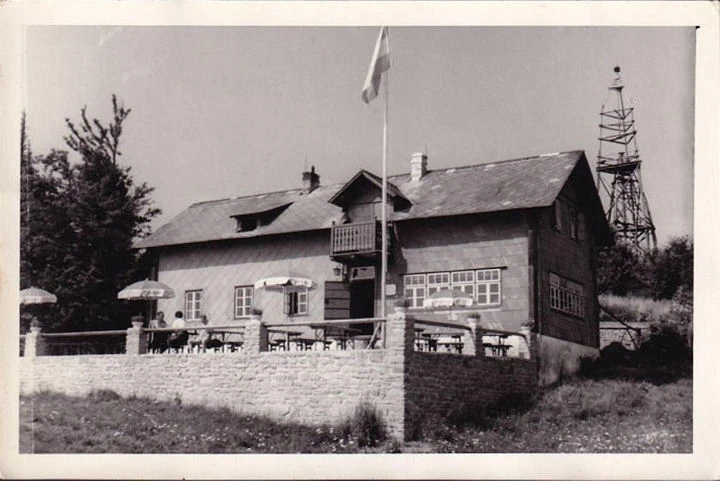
311	387
440	385
308	387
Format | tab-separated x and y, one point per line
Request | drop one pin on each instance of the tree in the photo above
620	270
82	221
672	269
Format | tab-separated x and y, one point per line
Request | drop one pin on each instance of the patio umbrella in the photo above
282	281
448	298
35	295
147	290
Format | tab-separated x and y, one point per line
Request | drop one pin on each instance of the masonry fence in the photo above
394	369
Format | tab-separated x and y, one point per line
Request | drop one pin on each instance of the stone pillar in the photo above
256	336
136	341
400	335
34	342
399	346
473	339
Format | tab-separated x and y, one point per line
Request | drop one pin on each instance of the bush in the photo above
366	425
103	395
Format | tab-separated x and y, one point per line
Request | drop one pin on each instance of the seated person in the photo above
204	338
158	341
178	338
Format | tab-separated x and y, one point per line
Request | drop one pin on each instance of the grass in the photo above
104	422
582	416
605	416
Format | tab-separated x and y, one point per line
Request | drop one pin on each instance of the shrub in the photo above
103	395
366	425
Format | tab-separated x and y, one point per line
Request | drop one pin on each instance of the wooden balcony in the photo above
358	240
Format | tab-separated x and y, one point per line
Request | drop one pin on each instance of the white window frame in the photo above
566	295
296	301
193	304
485	285
414	285
437	281
489	285
465	281
244	300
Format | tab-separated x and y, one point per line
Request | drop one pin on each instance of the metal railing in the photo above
84	342
335	334
227	338
357	237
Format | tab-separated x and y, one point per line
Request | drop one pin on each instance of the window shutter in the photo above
337	300
288	301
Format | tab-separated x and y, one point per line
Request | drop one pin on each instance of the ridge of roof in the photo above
494	162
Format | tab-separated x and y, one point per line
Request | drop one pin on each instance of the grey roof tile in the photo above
488	187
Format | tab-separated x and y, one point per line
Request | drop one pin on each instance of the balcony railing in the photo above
357	238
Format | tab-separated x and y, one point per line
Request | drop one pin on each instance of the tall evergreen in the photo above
79	223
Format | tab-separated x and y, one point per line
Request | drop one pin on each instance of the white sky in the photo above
227	111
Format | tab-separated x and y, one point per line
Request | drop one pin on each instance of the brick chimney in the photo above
311	180
418	166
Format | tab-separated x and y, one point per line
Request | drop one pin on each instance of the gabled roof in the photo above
525	183
392	190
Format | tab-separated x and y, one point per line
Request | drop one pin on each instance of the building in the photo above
517	236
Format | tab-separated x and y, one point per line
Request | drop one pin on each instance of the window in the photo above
573	217
246	223
483	286
415	289
567	296
243	301
437	282
464	281
558	214
488	287
193	304
296	301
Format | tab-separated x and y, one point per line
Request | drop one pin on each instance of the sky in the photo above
220	112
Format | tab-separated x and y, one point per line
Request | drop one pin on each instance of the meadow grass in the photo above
605	416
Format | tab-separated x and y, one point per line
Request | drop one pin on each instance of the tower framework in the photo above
618	173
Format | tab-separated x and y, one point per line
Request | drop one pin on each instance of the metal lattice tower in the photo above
618	173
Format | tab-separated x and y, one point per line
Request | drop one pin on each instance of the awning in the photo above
282	282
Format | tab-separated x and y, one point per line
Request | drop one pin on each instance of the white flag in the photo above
379	63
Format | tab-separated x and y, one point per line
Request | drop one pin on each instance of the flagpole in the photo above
383	221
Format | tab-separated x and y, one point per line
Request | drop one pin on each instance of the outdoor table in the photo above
341	334
304	343
458	346
283	343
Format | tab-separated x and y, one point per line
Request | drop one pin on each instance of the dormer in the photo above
361	197
249	221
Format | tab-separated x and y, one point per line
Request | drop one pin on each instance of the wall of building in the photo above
572	259
559	358
219	267
470	242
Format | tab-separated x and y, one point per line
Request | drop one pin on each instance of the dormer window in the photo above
246	223
252	219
